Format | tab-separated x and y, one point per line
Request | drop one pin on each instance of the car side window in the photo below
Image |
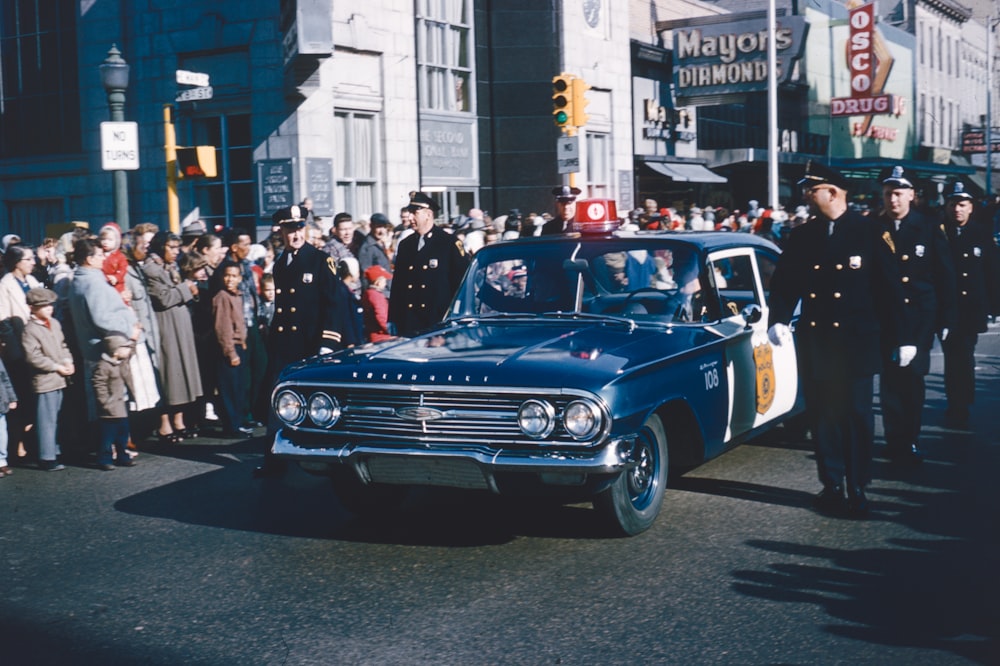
734	279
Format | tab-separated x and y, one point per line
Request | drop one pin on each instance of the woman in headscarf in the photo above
169	295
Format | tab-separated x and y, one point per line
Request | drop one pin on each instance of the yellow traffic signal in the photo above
196	162
578	113
562	100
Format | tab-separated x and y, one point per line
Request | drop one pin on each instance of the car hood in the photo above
528	352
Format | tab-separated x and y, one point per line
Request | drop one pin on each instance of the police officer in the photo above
844	274
977	272
565	210
311	315
927	276
430	265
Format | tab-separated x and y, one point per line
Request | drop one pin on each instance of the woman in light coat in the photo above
19	262
169	294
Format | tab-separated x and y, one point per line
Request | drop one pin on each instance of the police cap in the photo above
898	179
958	192
566	193
419	200
818	173
290	217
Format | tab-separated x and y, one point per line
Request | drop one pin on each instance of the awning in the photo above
686	172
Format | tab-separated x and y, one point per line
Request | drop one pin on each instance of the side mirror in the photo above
751	314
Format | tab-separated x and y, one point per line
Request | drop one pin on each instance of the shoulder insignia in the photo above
461	247
887	237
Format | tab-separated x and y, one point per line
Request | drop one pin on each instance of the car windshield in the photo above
632	277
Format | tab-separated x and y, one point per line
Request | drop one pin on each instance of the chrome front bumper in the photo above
457	467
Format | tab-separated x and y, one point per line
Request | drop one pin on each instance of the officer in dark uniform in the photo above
977	272
844	274
565	210
311	315
430	265
927	276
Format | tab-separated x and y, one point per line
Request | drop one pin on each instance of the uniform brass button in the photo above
906	301
813	324
965	275
292	290
812	295
965	293
906	278
280	329
816	267
278	311
905	257
836	324
277	291
840	267
291	309
966	255
836	294
295	328
410	305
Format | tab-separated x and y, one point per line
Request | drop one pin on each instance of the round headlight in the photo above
289	408
536	418
582	419
323	410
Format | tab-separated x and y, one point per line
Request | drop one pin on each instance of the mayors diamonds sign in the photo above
723	58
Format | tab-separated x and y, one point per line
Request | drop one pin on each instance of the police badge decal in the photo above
763	358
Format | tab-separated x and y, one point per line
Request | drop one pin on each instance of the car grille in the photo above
462	417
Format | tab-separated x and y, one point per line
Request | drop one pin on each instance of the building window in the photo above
28	218
444	55
229	199
923	40
355	164
599	166
925	128
39	92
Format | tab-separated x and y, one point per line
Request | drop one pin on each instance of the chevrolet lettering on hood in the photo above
584	363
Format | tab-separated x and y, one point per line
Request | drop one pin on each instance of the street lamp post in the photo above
114	78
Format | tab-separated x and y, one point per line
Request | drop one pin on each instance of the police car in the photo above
588	362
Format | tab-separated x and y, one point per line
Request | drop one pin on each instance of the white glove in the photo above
325	350
906	354
779	334
944	334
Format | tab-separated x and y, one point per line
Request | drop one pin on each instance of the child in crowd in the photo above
375	304
265	306
8	402
231	334
46	353
115	263
112	382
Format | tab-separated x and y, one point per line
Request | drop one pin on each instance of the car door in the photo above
763	377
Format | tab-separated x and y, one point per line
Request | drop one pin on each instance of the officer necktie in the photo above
420	244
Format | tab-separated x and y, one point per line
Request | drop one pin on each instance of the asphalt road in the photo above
185	559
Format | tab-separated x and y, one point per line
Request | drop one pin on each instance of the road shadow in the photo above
304	506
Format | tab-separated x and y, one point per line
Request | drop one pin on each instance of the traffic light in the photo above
578	112
196	162
562	100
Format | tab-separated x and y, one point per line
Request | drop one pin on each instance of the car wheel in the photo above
365	500
632	502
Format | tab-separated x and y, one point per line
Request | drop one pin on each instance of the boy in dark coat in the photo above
112	382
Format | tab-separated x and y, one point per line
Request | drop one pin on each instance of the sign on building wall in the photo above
275	185
718	62
448	153
319	185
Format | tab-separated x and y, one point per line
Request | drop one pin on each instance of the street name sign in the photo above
194	94
186	78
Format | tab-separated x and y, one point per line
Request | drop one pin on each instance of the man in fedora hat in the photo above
977	273
845	277
927	276
430	265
